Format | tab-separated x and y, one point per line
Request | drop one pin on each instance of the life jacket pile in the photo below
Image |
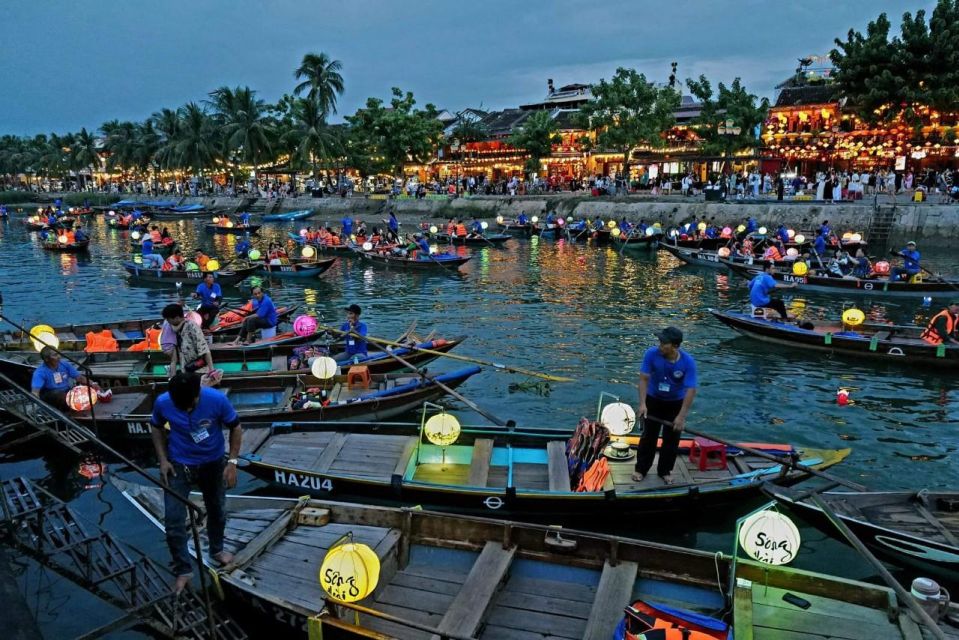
583	449
648	621
150	343
101	342
233	317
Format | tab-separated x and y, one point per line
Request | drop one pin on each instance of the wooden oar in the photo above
768	456
485	363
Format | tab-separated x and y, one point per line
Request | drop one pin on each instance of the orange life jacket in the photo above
150	343
451	229
461	230
71	237
232	317
595	476
650	622
932	336
772	253
334	240
101	342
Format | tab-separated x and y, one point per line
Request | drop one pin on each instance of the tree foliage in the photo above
733	103
536	135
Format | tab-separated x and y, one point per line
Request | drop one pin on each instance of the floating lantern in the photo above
442	429
853	317
304	325
213	265
367	246
769	537
81	397
194	317
842	397
618	417
881	268
800	238
350	571
615	232
499	219
790	233
254	254
324	368
762	231
856	237
484	225
723	252
534	219
135	235
308	252
800	268
433	229
792	252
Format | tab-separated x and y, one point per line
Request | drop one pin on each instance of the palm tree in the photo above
166	124
241	119
317	140
322	78
196	140
84	154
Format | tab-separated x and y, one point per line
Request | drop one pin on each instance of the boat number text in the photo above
138	429
788	277
302	480
493	502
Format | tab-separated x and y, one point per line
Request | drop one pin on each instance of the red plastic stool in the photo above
703	452
359	376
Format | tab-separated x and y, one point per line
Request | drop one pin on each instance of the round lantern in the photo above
111	212
433	229
62	238
762	231
434	249
881	267
212	265
792	252
723	252
43	335
484	225
194	317
350	571
701	226
740	228
790	233
254	254
650	231
308	252
367	246
81	397
70	209
303	233
304	325
800	238
611	224
769	537
216	219
499	219
135	235
229	224
618	417
615	232
800	268
727	231
856	237
442	429
324	368
534	219
853	317
846	237
559	221
192	266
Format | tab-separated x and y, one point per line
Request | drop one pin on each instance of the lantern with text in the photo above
769	537
350	570
619	418
81	397
304	325
800	268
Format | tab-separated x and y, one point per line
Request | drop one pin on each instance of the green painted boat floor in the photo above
259	366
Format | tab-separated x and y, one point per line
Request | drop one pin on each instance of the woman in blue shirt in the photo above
667	387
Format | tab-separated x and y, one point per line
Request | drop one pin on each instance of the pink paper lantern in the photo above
194	317
304	325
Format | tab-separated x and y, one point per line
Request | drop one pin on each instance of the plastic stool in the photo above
358	375
268	333
702	451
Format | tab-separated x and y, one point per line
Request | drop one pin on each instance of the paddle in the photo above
768	456
485	363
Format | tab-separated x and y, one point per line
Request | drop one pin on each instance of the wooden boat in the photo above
708	258
388	395
302	214
74	247
435	262
296	267
126	368
338	249
636	242
515	228
159	248
159	276
893	343
116	223
62	223
457	577
916	529
854	286
236	230
495	239
517	473
187	212
128	332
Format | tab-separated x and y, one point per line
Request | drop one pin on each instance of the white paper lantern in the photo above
618	417
535	219
800	238
442	429
323	368
484	225
367	246
769	537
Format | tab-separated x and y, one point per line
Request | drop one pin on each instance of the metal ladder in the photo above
46	529
29	409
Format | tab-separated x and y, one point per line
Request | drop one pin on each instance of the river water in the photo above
568	309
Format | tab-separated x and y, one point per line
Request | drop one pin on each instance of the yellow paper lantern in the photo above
853	317
534	219
324	368
611	224
846	237
308	252
216	219
229	224
741	228
800	268
40	336
350	572
433	229
62	238
81	398
769	537
213	265
701	226
442	429
615	232
499	219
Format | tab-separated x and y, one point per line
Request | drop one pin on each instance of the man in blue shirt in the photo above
356	333
762	285
751	225
191	453
423	245
667	387
347	228
522	219
264	318
245	219
210	295
54	378
825	231
819	245
393	224
910	263
783	234
150	260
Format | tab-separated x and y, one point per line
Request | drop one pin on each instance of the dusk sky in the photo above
68	64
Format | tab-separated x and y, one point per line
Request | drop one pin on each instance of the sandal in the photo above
668	479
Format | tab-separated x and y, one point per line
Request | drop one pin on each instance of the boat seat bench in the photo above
558	466
614	592
479	464
475	597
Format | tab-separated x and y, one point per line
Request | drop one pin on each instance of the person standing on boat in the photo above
394	226
347	222
356	333
209	294
54	378
942	326
762	285
910	263
667	387
190	351
264	317
245	219
191	453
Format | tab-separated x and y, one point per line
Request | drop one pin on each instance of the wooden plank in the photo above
743	610
479	464
330	453
262	540
546	624
409	448
558	466
937	524
279	363
476	596
613	594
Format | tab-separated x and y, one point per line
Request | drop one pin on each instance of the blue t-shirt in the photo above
910	260
424	248
47	379
196	437
147	247
783	234
245	219
759	289
347	226
265	309
668	380
522	219
820	245
354	345
825	231
209	295
394	223
751	225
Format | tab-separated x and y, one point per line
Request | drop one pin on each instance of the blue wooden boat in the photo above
302	214
296	268
159	276
235	230
339	249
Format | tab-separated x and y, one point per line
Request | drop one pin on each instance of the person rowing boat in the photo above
210	295
942	327
355	336
762	285
910	267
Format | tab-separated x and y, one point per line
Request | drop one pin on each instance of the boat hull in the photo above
853	286
232	231
171	278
